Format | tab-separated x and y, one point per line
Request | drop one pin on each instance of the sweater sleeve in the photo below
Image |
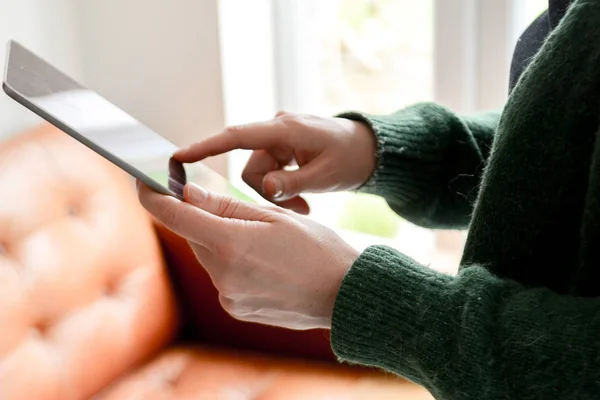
473	336
430	162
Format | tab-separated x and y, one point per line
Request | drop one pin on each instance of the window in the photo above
323	57
373	56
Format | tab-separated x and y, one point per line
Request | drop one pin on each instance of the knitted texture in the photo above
430	162
521	318
473	336
533	193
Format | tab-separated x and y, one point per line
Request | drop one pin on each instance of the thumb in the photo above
283	185
223	206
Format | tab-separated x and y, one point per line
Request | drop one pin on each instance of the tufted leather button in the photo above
56	330
110	290
36	333
73	211
40	329
205	374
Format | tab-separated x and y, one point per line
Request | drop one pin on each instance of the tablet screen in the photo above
101	125
116	132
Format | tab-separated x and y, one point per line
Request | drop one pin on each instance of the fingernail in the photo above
278	188
196	194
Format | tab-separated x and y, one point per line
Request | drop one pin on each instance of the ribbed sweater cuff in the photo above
409	152
387	299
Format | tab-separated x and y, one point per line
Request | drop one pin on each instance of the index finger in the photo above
254	136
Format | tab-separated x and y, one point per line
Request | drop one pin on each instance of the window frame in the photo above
472	39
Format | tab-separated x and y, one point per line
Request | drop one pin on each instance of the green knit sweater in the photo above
521	320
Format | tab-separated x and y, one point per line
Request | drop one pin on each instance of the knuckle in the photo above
170	215
293	183
295	125
234	132
232	129
228	207
291	119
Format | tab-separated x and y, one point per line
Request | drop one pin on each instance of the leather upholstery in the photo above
84	295
87	308
202	374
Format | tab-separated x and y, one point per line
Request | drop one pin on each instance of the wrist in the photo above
335	285
363	152
366	131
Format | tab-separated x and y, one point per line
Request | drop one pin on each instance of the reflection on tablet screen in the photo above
104	127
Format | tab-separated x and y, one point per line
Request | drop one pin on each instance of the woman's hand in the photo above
333	154
270	265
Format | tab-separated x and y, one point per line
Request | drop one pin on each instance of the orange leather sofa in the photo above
98	302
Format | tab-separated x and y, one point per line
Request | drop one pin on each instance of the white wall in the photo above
159	61
50	28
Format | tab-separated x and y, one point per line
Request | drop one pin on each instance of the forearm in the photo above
430	162
465	337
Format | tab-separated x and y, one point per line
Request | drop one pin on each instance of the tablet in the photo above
98	124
